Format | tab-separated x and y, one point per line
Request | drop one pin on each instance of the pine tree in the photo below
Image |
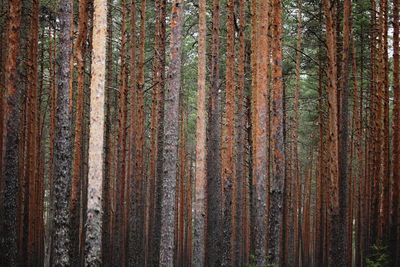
214	194
80	47
171	138
396	138
333	156
62	141
201	184
12	120
96	136
260	135
275	245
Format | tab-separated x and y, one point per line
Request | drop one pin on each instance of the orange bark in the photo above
260	134
80	47
227	167
122	119
394	244
333	144
32	145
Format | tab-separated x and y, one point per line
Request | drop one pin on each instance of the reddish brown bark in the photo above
40	154
227	143
11	119
153	137
240	139
156	138
32	128
333	144
377	127
294	214
182	192
394	231
188	237
369	155
161	22
260	134
139	208
275	233
80	48
306	224
122	122
385	194
3	52
108	162
132	137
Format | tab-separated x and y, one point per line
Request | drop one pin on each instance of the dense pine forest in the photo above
200	133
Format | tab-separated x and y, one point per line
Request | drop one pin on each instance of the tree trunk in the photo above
95	180
188	241
80	47
11	118
260	134
227	152
201	184
139	209
394	230
71	59
240	139
32	144
52	92
182	191
160	131
385	194
343	119
296	106
157	118
171	138
108	162
277	136
214	191
358	176
62	142
132	139
333	146
121	164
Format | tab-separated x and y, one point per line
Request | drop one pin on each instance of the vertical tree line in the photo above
199	133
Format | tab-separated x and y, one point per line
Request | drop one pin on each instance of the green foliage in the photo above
379	257
252	261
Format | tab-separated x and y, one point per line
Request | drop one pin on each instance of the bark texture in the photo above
260	136
161	20
277	183
333	142
214	194
227	143
62	143
80	47
12	119
201	183
394	244
171	132
96	136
